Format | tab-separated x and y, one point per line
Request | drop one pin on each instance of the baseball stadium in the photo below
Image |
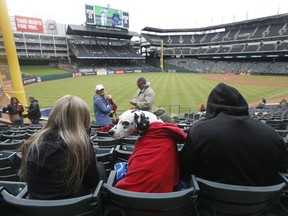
46	62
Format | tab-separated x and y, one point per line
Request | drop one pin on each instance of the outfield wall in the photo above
82	72
90	71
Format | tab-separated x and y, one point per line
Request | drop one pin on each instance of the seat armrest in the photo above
97	192
111	177
23	193
284	176
194	184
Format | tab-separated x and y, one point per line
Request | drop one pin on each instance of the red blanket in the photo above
153	166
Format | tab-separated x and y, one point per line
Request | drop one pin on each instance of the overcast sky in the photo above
154	13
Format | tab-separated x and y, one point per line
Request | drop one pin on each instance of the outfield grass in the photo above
185	89
42	71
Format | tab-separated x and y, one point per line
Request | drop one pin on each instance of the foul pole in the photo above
11	54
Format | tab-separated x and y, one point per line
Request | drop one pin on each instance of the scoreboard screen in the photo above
106	16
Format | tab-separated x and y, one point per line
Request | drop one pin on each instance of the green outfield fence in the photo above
56	76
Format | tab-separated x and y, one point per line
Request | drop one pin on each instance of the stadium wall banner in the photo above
171	71
119	72
27	81
89	73
101	72
86	70
129	71
137	71
110	72
28	24
79	74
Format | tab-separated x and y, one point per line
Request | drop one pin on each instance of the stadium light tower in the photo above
161	57
12	58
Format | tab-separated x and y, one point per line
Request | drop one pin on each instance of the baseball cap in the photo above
99	87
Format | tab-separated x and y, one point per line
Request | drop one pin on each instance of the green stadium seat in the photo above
104	142
127	203
227	199
123	152
106	156
9	166
88	205
11	145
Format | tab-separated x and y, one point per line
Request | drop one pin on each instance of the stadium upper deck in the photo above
262	37
93	42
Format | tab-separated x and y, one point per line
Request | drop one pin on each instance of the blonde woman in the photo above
58	162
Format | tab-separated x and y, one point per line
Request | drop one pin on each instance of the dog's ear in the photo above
142	123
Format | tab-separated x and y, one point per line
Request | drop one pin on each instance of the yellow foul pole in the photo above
11	53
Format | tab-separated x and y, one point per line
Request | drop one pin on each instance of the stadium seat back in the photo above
127	203
9	166
228	199
11	145
13	187
105	155
85	205
129	140
105	142
275	123
122	153
15	136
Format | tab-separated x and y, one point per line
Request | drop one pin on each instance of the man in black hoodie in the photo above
230	147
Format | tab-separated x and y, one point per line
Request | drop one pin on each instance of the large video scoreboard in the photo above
106	16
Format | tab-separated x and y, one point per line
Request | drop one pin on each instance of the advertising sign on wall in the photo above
28	24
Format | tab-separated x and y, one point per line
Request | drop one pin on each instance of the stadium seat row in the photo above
202	197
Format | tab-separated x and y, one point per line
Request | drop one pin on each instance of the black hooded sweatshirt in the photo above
230	147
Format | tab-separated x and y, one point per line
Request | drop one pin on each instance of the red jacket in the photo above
153	166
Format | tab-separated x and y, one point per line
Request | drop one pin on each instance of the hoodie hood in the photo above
226	99
147	85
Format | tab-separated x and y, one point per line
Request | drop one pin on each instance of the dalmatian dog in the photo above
133	121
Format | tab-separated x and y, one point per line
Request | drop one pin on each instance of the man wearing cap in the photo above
101	107
144	97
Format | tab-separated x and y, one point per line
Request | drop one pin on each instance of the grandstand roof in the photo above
94	31
275	18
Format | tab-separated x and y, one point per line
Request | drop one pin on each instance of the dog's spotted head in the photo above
132	121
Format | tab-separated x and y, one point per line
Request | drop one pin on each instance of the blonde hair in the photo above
70	118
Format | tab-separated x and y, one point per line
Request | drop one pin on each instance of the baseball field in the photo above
175	91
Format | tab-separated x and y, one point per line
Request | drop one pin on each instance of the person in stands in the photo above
58	161
15	110
230	147
202	108
144	98
102	106
34	113
161	113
